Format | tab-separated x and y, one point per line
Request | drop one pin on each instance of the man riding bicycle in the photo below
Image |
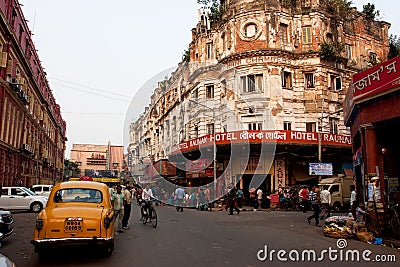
147	196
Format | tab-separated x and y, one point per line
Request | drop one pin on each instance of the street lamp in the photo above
214	145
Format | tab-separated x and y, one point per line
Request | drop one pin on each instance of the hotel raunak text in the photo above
266	136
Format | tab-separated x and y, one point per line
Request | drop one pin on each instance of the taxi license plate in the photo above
73	224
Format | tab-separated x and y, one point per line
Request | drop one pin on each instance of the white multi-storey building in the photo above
267	77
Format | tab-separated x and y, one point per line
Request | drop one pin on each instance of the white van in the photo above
42	189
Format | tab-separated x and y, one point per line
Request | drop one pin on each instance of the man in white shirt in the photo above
325	202
259	197
147	196
179	195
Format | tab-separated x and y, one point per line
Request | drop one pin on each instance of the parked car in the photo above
21	198
77	213
42	189
6	262
6	224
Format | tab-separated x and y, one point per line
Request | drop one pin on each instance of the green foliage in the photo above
186	55
330	50
394	46
71	169
215	8
370	11
341	8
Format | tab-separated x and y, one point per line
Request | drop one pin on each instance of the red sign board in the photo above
380	79
267	136
162	168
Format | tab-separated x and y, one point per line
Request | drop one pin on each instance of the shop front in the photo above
372	110
266	159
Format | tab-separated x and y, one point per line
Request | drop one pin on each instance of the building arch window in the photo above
335	82
283	34
252	83
309	80
210	91
307	35
250	30
286	79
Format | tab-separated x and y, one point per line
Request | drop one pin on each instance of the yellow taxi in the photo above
77	213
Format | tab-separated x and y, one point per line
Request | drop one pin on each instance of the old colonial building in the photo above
98	160
32	130
260	97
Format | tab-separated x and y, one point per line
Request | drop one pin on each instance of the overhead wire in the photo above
88	87
82	90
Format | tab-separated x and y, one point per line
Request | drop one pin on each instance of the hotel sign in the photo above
266	136
280	173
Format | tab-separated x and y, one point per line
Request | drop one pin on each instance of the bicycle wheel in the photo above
395	224
154	218
143	218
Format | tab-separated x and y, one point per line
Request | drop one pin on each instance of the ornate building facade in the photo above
32	130
261	96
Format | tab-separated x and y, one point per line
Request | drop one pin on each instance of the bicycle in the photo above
394	219
148	215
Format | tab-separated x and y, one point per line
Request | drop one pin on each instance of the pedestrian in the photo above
374	194
232	201
239	199
304	198
274	199
118	201
201	200
325	203
314	199
127	207
179	197
259	197
353	198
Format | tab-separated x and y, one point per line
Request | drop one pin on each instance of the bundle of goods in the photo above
336	227
339	220
336	231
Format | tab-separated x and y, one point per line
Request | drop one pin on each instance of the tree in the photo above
394	46
186	55
341	8
330	50
215	8
370	11
71	169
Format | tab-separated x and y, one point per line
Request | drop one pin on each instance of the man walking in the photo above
179	195
118	201
259	197
232	201
325	202
304	198
127	207
314	199
239	194
353	197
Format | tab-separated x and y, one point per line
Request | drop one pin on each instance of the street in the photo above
195	238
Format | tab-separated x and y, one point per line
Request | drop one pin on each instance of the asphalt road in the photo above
199	238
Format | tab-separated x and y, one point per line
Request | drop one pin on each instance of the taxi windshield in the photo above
78	195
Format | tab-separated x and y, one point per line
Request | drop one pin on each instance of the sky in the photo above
97	54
